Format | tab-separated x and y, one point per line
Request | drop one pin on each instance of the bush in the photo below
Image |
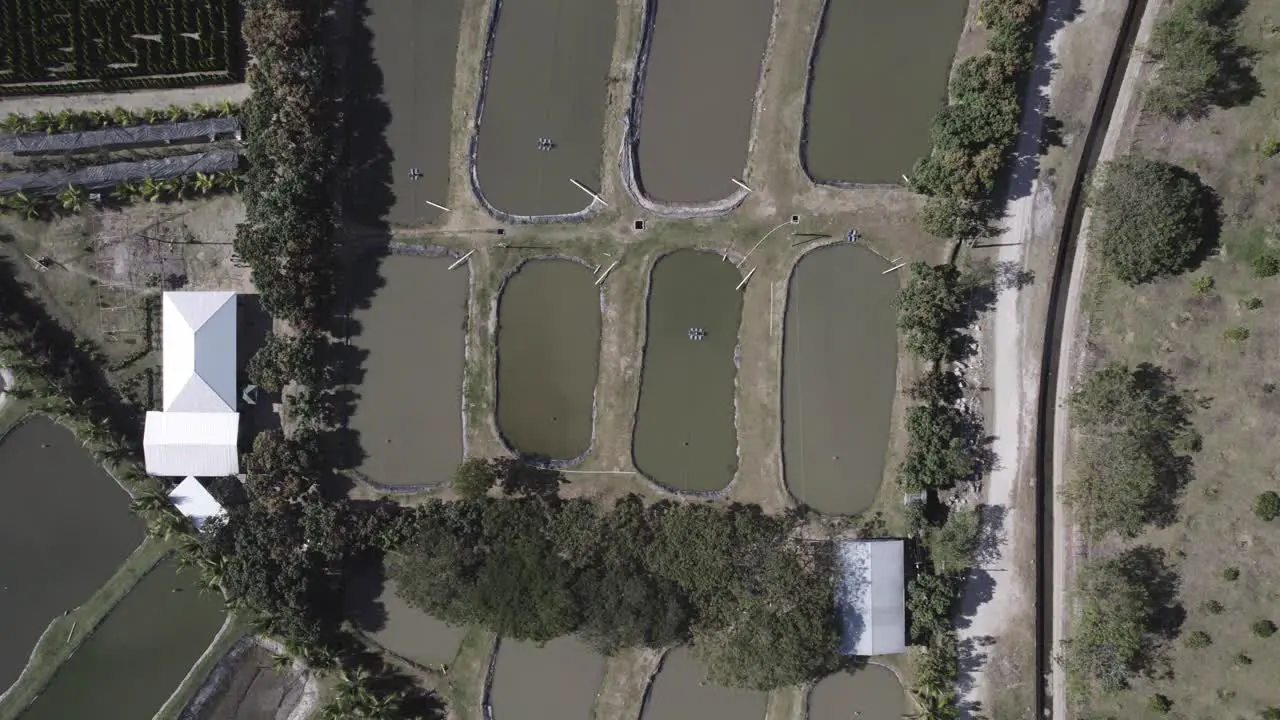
1198	639
1203	285
929	308
1212	607
1231	574
1267	506
1266	265
1271	714
1253	303
1150	217
1200	60
1236	333
1242	660
1264	628
1160	704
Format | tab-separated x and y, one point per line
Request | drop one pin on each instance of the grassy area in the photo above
1218	338
468	675
65	634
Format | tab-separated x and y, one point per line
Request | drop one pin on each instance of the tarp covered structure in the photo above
99	177
197	432
191	131
194	501
871	597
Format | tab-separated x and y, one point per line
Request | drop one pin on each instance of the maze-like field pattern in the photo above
52	41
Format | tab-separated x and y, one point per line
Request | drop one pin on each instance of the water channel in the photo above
879	76
408	413
136	658
870	693
402	133
682	692
65	527
557	681
698	96
548	358
686	434
548	79
839	364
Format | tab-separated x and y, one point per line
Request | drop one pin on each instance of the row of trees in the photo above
972	135
755	601
72	120
73	199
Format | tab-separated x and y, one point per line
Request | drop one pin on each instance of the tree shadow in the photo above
362	598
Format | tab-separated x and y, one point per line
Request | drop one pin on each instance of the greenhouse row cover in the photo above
191	131
99	177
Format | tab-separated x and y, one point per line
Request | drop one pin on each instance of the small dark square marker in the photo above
638	225
795	219
501	231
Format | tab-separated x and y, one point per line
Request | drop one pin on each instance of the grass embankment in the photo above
1212	330
65	634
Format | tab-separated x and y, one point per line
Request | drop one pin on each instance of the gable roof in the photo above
199	351
194	501
178	444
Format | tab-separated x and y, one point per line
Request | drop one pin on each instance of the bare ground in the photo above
136	100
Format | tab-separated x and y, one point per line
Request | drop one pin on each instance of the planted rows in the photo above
73	120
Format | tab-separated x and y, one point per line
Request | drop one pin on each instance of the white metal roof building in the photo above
871	597
194	501
197	433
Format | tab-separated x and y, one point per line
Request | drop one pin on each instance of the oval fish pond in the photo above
136	658
557	681
408	410
686	434
548	358
871	693
682	692
839	365
73	527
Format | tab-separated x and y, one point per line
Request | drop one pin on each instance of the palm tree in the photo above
68	120
204	183
25	205
281	662
15	123
199	110
150	502
43	120
169	188
176	113
164	525
150	190
153	116
126	192
73	198
99	118
123	117
228	180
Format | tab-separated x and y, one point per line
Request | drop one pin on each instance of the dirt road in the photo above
1074	330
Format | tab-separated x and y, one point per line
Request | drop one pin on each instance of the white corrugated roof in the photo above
199	351
194	501
871	597
203	444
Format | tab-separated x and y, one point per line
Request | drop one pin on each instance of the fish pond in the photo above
548	358
557	681
879	76
698	96
839	365
136	658
65	526
686	433
376	607
408	410
682	692
544	105
869	693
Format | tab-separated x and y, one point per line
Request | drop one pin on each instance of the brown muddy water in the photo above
548	358
557	681
375	607
414	46
839	363
682	692
686	435
409	411
872	693
879	76
65	527
548	78
136	658
699	96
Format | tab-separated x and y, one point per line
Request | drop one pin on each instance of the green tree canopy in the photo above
1201	61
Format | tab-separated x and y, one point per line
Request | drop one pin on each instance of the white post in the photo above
462	259
437	206
745	279
895	267
606	272
594	196
740	184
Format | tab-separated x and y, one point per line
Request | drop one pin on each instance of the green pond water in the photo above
136	658
839	366
557	681
65	527
681	691
879	76
686	435
548	358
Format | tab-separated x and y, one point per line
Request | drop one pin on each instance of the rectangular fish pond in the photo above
557	681
681	692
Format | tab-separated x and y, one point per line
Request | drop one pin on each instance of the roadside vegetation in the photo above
1172	476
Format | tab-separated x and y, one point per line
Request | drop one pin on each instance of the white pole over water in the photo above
741	184
895	267
606	272
437	206
745	279
462	259
594	196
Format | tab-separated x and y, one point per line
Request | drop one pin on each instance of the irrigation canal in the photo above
1053	343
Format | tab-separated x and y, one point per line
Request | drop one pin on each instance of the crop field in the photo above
72	45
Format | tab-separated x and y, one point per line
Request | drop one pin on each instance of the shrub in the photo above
1270	147
1253	303
1212	607
1271	714
1267	506
1264	628
1242	660
1266	265
1151	217
1195	44
1203	284
1231	574
1160	704
1236	333
1198	639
